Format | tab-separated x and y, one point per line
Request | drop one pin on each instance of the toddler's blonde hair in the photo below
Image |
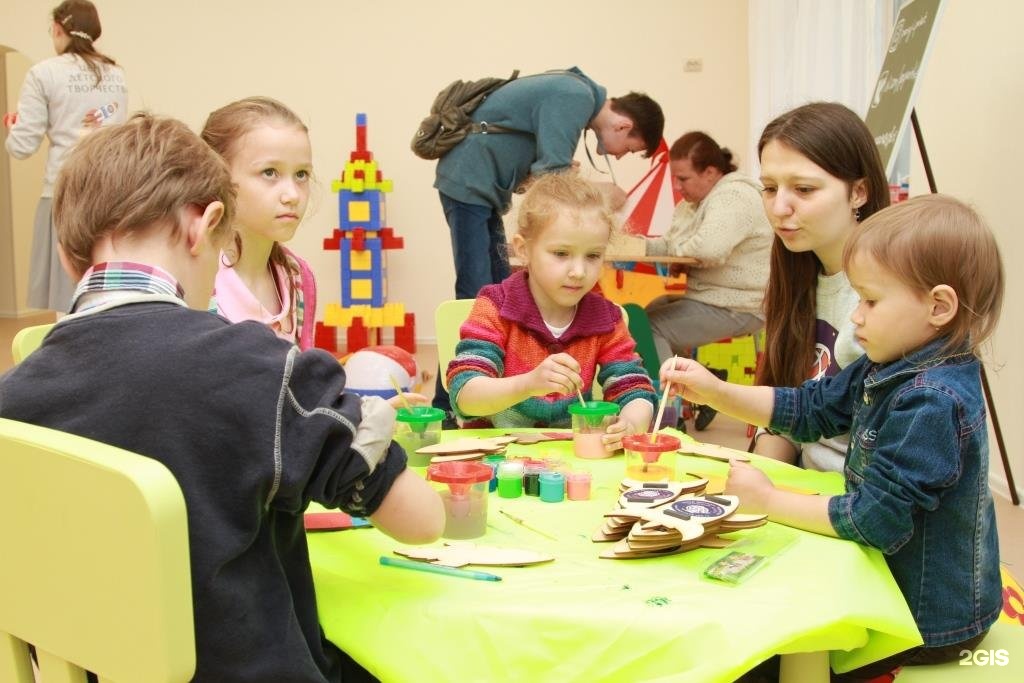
938	240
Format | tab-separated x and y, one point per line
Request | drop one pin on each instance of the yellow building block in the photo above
361	289
359	212
394	315
361	260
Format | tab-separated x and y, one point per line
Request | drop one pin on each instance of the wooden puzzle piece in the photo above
527	438
713	451
467	445
459	456
623	551
738	521
461	553
688	510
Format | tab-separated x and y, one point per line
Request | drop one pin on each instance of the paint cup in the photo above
589	423
415	428
463	489
577	485
552	487
648	460
510	479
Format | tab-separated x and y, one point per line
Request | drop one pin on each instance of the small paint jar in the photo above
531	479
577	485
510	479
552	487
493	460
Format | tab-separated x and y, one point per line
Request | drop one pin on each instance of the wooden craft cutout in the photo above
468	445
713	451
695	485
658	525
461	553
459	456
527	438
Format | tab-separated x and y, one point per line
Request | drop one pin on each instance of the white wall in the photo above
971	96
329	60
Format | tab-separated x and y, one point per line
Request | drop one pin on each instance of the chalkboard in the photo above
898	81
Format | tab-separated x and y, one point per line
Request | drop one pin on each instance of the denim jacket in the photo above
916	479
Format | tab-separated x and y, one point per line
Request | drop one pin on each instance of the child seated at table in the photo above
252	428
535	340
930	281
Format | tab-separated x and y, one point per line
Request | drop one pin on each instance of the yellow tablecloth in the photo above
582	618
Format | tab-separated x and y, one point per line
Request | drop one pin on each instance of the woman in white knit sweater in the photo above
62	98
722	223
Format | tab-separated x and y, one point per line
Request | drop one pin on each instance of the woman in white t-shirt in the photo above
62	98
821	175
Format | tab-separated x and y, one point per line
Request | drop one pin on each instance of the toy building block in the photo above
405	335
362	238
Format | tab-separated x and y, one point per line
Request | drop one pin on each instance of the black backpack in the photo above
449	121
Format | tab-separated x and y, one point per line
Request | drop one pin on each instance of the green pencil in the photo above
388	561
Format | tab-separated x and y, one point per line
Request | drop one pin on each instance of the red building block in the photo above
325	338
405	336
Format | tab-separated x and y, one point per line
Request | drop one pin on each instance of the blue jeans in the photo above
478	246
481	258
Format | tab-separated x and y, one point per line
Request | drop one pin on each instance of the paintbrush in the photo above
520	522
401	394
661	408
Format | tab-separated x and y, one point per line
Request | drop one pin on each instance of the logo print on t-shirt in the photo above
824	351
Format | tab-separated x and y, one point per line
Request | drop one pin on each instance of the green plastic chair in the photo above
448	318
640	330
95	571
999	657
28	340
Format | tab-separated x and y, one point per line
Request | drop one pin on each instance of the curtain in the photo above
806	50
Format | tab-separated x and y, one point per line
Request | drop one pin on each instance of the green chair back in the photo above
96	570
448	318
640	330
28	340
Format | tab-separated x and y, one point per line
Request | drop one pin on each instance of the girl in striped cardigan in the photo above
534	340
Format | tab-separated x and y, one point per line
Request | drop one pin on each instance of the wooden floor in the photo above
723	430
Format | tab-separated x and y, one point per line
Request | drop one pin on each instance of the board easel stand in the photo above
984	376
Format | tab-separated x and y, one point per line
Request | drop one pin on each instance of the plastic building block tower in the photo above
738	356
361	239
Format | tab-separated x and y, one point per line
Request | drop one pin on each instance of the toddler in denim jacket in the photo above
930	281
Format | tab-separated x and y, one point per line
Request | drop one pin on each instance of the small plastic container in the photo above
589	423
493	460
510	479
648	460
415	428
552	487
463	489
577	485
531	479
